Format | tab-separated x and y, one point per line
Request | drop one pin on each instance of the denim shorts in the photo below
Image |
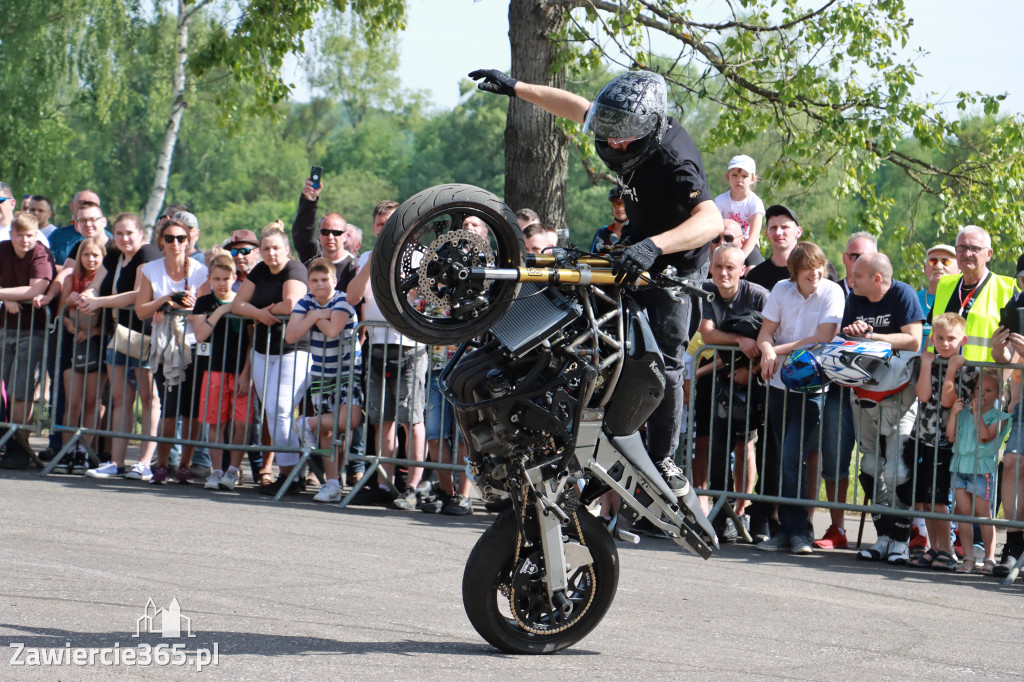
1015	442
975	484
119	359
440	417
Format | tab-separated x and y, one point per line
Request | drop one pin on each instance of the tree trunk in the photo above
163	163
536	148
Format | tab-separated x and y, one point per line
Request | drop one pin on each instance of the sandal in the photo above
926	559
986	567
265	479
944	561
968	566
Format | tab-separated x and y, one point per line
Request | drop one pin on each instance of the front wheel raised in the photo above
423	256
506	599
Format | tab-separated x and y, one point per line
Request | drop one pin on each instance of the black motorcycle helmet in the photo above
631	107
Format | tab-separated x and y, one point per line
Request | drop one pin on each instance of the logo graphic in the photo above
170	621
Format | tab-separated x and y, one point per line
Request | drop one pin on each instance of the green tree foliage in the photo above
826	83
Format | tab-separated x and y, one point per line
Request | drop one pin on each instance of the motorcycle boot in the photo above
696	523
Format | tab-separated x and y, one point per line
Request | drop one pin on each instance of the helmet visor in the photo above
611	124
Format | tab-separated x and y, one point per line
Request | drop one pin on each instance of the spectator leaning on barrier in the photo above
172	284
280	370
837	437
883	309
976	294
224	371
800	311
115	287
26	270
7	209
734	298
324	317
940	260
977	429
938	388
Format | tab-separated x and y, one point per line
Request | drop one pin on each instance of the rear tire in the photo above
490	575
412	250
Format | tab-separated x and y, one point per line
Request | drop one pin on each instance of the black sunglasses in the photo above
171	238
332	233
728	238
245	251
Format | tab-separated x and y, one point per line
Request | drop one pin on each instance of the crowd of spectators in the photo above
246	347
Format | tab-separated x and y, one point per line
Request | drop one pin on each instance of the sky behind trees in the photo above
972	46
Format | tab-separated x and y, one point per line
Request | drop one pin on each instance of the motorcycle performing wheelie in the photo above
556	372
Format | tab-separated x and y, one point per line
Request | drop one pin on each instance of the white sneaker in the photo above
139	472
899	553
876	551
108	470
213	480
230	479
331	492
306	437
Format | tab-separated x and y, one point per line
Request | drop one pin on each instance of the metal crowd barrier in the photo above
724	414
126	413
409	354
23	356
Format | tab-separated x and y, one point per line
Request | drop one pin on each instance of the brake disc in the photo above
463	246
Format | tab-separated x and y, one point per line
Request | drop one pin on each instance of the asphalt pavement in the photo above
298	590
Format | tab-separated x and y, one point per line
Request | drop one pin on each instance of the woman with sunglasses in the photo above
171	284
116	287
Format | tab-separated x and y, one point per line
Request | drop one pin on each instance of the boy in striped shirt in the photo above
326	316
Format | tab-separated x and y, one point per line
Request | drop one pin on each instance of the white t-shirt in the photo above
799	317
378	335
156	272
740	211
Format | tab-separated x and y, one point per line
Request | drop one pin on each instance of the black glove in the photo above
494	81
634	260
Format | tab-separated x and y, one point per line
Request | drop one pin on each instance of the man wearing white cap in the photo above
740	203
940	260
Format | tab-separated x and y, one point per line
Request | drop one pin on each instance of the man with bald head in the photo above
326	238
883	309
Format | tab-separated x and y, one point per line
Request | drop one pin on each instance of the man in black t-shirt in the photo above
783	234
672	215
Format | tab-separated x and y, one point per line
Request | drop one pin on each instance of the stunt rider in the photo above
672	215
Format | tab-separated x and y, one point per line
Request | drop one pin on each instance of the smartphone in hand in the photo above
315	173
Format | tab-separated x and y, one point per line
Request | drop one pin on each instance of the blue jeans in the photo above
839	438
792	419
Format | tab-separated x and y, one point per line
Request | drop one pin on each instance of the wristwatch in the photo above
867	335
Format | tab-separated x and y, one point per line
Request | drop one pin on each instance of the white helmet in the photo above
853	363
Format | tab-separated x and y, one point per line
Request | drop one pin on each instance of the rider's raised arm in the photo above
554	101
703	225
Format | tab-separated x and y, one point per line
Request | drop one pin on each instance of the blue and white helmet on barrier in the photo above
802	371
853	363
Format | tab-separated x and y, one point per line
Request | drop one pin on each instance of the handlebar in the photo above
585	271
